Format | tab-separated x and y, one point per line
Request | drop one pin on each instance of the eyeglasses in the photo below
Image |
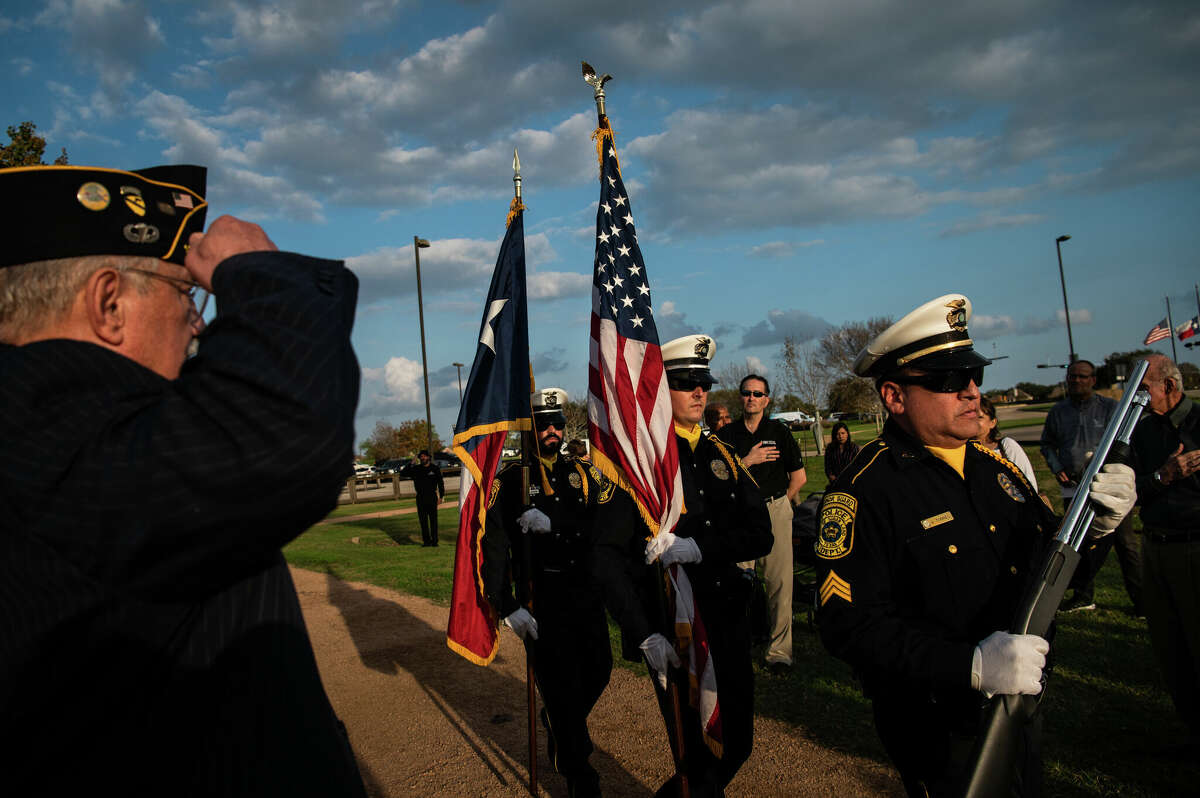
196	294
755	394
688	384
944	381
544	421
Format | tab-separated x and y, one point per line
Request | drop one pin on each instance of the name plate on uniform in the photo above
937	520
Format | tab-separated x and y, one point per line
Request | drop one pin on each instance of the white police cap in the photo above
690	354
933	337
548	400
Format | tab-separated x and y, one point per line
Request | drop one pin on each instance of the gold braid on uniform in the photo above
583	477
735	462
1004	460
882	448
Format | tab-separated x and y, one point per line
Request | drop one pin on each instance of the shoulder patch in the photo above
1007	485
835	530
607	489
494	492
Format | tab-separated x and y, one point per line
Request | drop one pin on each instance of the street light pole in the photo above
459	367
418	245
1066	311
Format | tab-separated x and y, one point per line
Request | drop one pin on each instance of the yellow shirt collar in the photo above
692	436
951	457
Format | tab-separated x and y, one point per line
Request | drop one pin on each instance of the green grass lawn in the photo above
1110	728
360	508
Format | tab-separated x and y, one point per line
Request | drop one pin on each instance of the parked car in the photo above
363	470
795	419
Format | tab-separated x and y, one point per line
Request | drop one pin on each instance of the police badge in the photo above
719	469
575	480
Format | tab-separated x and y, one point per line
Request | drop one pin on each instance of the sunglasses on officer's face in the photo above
543	421
944	381
755	394
688	384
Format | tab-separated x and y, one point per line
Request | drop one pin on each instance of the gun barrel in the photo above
1073	530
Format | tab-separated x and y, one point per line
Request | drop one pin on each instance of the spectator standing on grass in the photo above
840	451
716	416
1166	444
543	543
152	633
925	546
1072	431
773	457
989	435
427	481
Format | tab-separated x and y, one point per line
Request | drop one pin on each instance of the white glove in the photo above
534	520
524	624
671	549
1007	664
659	652
1113	494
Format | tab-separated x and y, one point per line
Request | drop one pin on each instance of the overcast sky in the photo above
791	165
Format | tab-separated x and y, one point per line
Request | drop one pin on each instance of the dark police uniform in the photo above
153	641
427	481
725	515
572	655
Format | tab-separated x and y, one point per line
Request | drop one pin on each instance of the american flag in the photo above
1158	333
630	422
495	403
629	406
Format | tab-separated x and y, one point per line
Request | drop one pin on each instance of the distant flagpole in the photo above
495	403
1171	328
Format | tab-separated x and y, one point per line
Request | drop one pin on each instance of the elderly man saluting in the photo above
925	543
153	642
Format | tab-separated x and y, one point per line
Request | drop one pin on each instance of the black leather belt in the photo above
1172	535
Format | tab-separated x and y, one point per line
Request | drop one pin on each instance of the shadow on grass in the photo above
485	707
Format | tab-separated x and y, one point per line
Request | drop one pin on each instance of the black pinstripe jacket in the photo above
150	635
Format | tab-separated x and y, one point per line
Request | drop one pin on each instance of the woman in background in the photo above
840	451
989	436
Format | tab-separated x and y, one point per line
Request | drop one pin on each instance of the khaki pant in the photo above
777	578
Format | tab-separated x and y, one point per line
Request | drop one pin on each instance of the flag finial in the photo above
516	175
597	84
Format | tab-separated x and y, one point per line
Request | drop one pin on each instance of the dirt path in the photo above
383	514
426	722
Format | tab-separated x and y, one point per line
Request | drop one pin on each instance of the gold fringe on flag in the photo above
515	207
599	135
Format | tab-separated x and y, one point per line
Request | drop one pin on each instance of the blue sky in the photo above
791	165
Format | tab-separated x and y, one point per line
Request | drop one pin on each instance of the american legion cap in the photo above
933	337
73	211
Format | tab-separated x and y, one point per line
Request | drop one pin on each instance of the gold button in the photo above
952	549
1013	568
991	527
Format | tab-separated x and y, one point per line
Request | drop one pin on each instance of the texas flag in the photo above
1188	328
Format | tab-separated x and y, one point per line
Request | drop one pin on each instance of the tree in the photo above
26	148
1106	372
1191	376
577	421
833	359
853	395
389	442
1039	393
801	373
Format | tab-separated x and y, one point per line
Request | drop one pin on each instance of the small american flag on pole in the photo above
1158	332
629	406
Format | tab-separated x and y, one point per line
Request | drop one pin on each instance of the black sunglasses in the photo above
542	421
944	381
688	384
757	394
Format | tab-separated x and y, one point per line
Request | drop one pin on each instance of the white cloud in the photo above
781	249
781	324
988	221
984	326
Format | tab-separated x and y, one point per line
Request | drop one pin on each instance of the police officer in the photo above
556	610
725	522
427	481
924	546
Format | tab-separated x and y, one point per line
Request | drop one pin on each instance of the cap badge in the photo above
93	196
133	199
957	317
702	347
165	208
550	399
141	233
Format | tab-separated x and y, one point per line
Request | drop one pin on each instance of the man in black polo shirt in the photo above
1166	444
768	449
427	481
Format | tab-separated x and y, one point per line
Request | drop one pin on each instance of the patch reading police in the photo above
494	492
1010	487
607	489
575	480
835	534
719	469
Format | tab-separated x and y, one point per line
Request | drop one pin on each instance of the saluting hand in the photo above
226	237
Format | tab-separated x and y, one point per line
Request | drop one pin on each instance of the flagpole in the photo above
1171	328
666	597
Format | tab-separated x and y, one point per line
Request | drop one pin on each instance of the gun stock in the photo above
995	751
